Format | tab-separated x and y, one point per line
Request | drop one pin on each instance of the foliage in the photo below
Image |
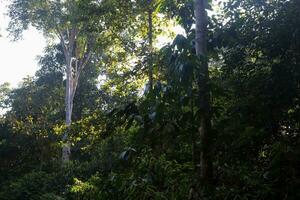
130	142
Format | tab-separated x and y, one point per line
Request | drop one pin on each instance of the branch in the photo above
75	80
80	63
86	58
63	43
72	39
89	45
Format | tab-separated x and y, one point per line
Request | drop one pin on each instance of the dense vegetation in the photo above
139	103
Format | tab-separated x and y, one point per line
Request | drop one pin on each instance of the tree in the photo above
60	19
204	93
245	98
150	38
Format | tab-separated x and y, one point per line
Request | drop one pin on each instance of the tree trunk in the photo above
205	172
66	150
150	37
75	65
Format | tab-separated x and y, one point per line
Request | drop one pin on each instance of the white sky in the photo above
18	59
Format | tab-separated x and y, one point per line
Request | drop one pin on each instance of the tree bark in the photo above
205	173
150	37
66	150
75	65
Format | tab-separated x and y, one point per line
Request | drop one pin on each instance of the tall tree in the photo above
60	19
150	38
75	64
204	93
149	22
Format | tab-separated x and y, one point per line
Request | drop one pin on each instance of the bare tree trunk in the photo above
75	65
150	37
204	93
66	150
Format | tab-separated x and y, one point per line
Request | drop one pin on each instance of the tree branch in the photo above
63	43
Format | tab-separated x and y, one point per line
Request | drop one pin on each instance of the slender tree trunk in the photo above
75	65
66	150
204	93
150	37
